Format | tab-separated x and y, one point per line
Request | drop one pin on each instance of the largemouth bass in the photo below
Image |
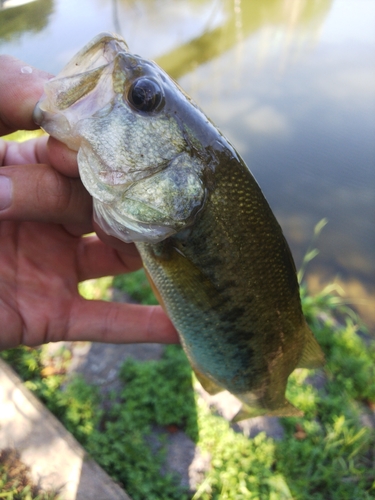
161	175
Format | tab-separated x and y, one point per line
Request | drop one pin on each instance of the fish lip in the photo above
37	115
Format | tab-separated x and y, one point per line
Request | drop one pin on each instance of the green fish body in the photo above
163	176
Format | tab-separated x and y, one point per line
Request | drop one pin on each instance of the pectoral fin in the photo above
154	289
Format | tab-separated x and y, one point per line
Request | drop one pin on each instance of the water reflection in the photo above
8	4
290	82
289	25
18	17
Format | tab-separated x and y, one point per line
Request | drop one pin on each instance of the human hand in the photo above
44	214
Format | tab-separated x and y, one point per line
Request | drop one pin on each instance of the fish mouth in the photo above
82	88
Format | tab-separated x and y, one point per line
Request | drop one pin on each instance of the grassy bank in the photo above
329	453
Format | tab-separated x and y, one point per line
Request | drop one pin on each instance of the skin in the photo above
44	253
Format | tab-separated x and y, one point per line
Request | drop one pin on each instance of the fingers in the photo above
21	87
40	150
96	259
61	158
39	193
100	321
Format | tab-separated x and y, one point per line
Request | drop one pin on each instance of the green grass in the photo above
136	286
327	454
145	401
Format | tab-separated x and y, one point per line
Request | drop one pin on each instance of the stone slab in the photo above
56	459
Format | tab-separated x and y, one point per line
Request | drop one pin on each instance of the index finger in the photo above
21	86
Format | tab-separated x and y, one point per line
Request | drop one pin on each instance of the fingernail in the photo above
5	192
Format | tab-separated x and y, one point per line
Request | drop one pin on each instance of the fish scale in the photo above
163	176
221	286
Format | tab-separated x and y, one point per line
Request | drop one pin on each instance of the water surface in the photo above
291	83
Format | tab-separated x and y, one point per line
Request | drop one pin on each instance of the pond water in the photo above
291	83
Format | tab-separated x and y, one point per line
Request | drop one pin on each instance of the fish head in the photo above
140	152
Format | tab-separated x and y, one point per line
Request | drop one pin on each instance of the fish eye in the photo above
146	95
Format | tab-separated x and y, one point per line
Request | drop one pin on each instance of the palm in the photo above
41	265
40	272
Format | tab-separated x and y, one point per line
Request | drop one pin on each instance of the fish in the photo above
163	176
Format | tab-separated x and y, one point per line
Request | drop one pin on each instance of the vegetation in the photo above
33	17
327	454
15	482
136	286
